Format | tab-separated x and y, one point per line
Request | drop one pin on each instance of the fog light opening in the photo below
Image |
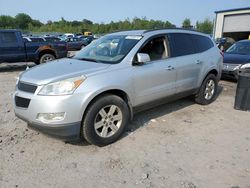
50	117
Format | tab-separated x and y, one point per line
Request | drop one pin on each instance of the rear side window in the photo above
202	43
8	37
181	44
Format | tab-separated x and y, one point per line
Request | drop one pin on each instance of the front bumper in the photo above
230	71
67	132
72	105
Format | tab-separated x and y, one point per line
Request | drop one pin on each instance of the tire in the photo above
46	58
208	90
101	129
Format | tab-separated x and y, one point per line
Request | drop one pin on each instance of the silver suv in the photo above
95	93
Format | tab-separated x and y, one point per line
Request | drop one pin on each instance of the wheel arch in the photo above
47	51
213	71
118	92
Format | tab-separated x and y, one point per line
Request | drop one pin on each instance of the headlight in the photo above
246	66
237	67
64	87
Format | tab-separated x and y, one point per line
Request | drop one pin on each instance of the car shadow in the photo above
142	119
229	78
12	67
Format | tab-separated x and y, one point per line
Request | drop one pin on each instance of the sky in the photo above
100	11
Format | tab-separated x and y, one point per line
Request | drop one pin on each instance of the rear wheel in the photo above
46	58
105	120
207	91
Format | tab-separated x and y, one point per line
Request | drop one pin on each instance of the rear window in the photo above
181	44
8	37
186	44
202	43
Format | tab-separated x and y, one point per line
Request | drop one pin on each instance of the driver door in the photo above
155	79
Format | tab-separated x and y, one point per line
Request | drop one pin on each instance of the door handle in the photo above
169	68
198	62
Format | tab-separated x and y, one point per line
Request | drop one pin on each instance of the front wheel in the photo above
207	91
46	58
105	120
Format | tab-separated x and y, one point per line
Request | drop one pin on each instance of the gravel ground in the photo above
180	144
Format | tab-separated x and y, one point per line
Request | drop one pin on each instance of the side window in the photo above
8	37
156	48
181	44
202	43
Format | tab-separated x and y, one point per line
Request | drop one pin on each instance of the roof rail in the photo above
179	28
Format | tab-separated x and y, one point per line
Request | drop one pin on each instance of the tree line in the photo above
26	23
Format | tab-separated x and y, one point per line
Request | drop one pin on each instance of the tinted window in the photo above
155	48
242	48
181	44
8	37
202	43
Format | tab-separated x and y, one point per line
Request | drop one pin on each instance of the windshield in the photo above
240	48
108	49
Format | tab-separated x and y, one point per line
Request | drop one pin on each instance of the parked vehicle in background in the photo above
68	35
78	34
236	58
87	33
13	48
76	43
88	39
52	39
34	39
95	93
224	43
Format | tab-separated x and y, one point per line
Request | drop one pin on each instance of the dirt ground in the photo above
180	144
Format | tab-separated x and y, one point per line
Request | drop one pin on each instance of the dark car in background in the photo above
236	58
52	39
76	43
13	48
33	39
224	43
88	39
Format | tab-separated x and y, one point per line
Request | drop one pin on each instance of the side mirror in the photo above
142	58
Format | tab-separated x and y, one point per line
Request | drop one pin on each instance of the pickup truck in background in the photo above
13	48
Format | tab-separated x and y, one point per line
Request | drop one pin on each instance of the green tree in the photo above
186	23
25	22
22	21
7	22
206	26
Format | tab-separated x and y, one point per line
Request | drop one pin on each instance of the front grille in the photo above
26	87
22	102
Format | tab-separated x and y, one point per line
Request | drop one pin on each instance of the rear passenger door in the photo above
185	60
11	47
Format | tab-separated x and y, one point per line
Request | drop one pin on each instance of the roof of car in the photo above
130	32
245	40
156	31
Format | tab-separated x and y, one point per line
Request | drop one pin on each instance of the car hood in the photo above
59	70
236	58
